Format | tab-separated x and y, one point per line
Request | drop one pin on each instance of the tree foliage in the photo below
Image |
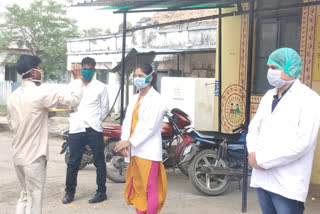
95	32
43	29
120	29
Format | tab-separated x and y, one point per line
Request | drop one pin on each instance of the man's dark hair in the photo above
147	69
88	61
25	63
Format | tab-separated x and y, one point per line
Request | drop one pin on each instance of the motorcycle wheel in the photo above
183	167
116	167
66	159
208	184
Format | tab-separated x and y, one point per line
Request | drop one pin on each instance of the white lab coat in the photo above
146	141
284	141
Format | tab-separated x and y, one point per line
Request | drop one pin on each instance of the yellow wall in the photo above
230	54
315	177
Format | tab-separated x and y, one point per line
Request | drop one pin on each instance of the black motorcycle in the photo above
87	157
216	160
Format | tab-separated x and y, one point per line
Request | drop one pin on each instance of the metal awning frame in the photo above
186	5
247	112
126	5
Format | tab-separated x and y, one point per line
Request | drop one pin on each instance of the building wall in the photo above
2	66
315	177
192	65
199	65
2	72
231	35
234	66
316	86
106	50
9	58
180	37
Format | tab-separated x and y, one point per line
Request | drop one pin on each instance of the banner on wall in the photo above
316	65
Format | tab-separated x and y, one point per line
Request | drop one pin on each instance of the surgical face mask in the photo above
142	82
87	74
33	80
274	78
41	75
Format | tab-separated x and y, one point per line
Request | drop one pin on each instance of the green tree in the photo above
92	32
42	28
120	29
95	32
107	31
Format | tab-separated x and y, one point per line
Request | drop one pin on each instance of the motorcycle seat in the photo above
213	135
111	127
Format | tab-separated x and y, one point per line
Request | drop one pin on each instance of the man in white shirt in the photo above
282	137
27	112
85	129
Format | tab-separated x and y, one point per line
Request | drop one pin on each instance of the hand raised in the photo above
76	70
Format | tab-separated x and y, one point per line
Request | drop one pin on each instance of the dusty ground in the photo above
181	198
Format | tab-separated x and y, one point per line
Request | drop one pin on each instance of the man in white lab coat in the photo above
282	137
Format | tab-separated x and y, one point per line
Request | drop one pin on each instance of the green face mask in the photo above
87	74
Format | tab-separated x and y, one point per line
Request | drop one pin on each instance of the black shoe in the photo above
68	198
98	197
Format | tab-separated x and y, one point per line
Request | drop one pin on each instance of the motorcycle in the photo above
215	159
87	155
174	141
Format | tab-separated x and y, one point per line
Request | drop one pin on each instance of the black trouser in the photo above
77	143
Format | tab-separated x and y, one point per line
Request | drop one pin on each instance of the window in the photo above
10	73
175	73
272	32
102	76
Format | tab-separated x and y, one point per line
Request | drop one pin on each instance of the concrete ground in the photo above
182	198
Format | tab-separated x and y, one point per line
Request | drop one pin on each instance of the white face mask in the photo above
142	82
274	78
41	73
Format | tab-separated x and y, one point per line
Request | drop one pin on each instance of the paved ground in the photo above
181	199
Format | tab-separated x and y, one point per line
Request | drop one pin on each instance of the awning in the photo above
132	5
133	58
138	56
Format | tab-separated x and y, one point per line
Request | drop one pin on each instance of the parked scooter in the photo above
215	159
174	141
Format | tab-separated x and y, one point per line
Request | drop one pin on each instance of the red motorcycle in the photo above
174	142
